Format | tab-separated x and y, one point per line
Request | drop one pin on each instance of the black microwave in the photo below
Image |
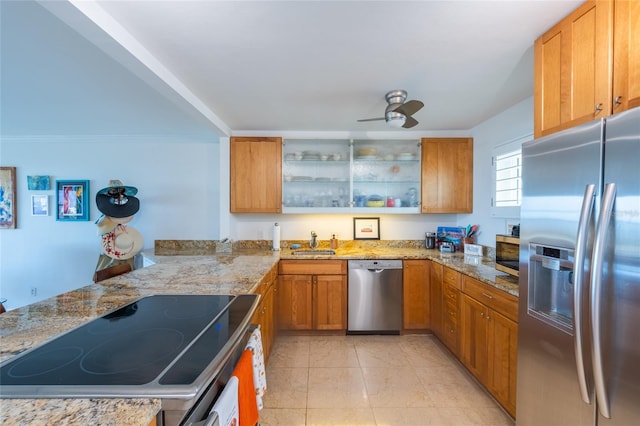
508	254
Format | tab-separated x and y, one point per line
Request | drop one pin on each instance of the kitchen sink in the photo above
313	252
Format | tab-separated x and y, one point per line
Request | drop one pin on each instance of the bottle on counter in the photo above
333	242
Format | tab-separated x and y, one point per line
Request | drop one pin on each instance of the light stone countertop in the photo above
200	272
29	326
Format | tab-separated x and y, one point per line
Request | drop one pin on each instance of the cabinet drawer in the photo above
498	300
450	335
451	294
313	267
451	314
269	279
451	277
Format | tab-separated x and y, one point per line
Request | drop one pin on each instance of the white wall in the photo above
178	183
511	124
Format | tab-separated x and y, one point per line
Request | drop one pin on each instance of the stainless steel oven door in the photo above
200	413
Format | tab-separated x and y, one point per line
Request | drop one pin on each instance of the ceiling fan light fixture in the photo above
395	119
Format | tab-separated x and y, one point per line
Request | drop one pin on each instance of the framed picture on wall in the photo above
7	198
40	205
72	200
366	228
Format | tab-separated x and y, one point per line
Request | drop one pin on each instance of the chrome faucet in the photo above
314	240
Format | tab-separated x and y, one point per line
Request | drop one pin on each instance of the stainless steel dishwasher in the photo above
375	297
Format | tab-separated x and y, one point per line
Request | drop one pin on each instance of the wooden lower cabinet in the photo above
435	298
451	311
265	315
474	343
294	302
489	339
416	295
315	300
503	361
330	302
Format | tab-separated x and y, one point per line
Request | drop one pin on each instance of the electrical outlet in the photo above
34	291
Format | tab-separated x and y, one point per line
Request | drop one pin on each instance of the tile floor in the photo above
372	380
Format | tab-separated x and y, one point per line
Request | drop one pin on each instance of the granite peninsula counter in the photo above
200	271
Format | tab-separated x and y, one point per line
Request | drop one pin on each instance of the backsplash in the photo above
206	247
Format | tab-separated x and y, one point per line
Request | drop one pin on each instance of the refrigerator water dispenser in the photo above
551	285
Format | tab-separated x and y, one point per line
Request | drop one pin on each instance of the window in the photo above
507	169
508	179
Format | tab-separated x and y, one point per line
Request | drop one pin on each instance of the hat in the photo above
122	242
117	200
117	206
105	224
117	184
121	220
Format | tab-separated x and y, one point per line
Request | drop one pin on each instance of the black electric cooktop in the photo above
153	346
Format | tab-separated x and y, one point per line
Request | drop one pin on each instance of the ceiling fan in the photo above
399	113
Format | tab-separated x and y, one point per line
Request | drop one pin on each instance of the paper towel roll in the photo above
276	236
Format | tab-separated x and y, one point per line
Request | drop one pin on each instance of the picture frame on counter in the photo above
40	205
8	198
72	200
366	228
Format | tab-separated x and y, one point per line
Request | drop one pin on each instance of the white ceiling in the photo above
321	65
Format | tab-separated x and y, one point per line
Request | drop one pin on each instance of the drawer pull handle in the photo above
488	296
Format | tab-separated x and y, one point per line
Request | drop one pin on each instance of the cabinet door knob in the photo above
598	107
618	100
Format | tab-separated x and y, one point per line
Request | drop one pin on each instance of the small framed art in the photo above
366	228
38	183
7	197
72	200
39	205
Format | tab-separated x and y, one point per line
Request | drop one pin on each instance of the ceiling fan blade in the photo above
410	122
372	119
410	107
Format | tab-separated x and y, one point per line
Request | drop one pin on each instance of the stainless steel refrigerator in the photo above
579	308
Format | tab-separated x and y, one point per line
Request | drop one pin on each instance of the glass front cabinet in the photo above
351	176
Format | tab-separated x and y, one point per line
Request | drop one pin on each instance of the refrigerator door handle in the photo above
602	227
586	211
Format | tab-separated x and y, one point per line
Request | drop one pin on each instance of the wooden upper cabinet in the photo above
256	175
626	55
447	175
572	69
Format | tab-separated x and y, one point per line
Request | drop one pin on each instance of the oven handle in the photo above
211	420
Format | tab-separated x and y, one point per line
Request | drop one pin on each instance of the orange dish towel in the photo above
247	405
